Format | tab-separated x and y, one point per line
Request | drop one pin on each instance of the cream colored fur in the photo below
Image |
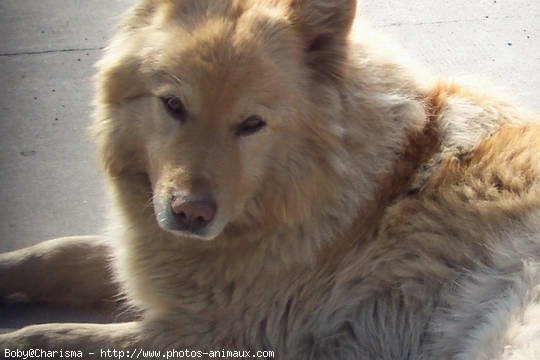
380	214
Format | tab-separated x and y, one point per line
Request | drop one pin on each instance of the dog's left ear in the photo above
324	26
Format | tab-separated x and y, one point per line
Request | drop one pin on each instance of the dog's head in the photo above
223	107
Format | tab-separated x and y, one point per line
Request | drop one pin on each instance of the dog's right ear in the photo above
331	19
324	26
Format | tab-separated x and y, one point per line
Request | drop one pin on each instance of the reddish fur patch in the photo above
439	94
502	166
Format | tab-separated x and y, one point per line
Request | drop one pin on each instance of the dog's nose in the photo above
193	215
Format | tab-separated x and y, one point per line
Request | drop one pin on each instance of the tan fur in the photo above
380	214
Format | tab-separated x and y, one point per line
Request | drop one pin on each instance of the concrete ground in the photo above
50	184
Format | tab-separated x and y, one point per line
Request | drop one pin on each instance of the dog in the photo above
284	187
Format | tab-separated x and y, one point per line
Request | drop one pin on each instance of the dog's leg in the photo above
88	338
70	270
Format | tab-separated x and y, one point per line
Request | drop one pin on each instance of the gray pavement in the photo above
50	184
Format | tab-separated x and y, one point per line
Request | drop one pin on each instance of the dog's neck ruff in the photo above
304	244
420	146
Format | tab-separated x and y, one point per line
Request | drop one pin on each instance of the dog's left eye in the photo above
175	107
250	126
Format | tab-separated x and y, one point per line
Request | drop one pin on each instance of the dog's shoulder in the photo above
478	186
488	148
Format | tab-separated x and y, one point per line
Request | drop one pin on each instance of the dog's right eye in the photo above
175	107
250	126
